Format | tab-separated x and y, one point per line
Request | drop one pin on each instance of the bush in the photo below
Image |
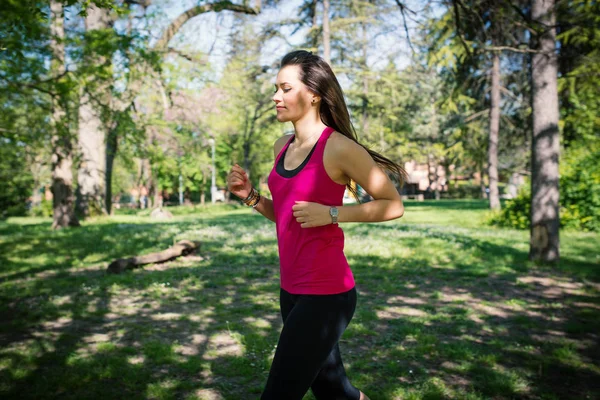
580	188
516	212
16	181
579	194
44	209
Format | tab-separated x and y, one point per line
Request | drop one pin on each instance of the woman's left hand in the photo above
310	215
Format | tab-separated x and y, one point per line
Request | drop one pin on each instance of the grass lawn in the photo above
448	308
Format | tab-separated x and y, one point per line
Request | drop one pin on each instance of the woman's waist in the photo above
322	246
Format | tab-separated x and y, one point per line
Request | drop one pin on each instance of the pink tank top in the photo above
312	260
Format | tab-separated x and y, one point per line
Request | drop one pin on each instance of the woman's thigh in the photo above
312	327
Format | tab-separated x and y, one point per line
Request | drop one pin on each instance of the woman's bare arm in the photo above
357	164
265	205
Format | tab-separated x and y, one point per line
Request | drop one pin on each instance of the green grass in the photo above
448	308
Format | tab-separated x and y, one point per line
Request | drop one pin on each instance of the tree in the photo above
579	70
249	131
150	71
62	146
25	105
485	33
93	107
545	222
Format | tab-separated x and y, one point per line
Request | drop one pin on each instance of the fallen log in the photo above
180	248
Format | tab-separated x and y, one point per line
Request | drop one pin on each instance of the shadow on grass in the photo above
478	321
130	336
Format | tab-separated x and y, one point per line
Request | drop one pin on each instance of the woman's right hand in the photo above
238	182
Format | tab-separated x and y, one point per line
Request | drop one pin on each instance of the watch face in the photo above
333	211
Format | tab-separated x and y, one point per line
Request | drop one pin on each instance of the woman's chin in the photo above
281	118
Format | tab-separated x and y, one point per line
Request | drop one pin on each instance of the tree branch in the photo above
403	10
171	31
187	56
458	30
174	27
476	115
513	49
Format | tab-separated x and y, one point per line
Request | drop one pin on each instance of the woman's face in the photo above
292	98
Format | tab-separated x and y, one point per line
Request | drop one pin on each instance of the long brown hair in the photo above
318	77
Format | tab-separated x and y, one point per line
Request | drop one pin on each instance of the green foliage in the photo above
247	133
579	63
16	180
453	44
44	209
515	213
580	187
579	193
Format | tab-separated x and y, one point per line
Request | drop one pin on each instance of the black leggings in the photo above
308	353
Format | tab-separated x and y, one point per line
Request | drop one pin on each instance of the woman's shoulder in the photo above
342	144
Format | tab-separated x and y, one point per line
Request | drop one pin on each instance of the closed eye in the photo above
284	90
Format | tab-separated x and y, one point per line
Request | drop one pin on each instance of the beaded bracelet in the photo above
252	193
253	199
257	201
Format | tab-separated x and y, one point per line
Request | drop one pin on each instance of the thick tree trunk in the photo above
92	130
62	183
62	151
545	222
91	172
493	134
326	33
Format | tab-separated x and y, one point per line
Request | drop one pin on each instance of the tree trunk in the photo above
365	97
545	222
92	130
493	134
111	152
315	26
482	182
202	186
326	33
62	149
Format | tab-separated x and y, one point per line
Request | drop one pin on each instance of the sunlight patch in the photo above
60	323
208	394
490	310
398	312
191	349
257	322
224	344
61	300
166	316
135	360
96	338
405	300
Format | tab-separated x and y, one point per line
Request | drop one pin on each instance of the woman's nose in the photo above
276	97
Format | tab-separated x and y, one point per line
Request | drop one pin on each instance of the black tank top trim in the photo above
291	173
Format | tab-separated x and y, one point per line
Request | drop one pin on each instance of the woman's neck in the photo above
308	129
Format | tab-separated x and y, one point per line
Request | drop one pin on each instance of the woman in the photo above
312	169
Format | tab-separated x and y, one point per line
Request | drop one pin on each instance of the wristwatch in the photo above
333	211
